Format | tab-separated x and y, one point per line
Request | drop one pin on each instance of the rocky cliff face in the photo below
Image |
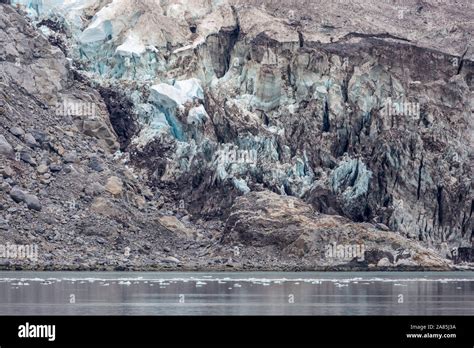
266	132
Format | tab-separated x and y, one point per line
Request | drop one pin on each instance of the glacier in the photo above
216	81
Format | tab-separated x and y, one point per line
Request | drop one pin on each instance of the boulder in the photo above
100	129
171	259
96	165
266	218
42	169
6	172
17	195
17	131
30	140
114	186
32	202
55	167
105	207
70	157
5	148
172	224
385	262
27	157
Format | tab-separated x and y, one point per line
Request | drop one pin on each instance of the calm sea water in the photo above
97	293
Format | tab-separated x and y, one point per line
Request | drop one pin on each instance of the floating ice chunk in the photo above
341	285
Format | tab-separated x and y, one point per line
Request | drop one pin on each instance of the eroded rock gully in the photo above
274	131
